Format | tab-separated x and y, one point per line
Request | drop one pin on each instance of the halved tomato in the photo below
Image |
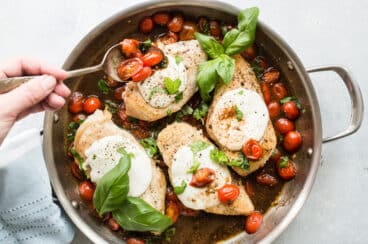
142	75
152	57
129	67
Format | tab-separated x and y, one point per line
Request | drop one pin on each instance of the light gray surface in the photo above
321	32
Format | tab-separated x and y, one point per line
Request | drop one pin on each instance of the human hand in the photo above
39	94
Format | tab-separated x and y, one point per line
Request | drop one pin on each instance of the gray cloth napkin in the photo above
27	212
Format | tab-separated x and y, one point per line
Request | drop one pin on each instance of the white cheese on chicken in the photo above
102	156
194	197
239	115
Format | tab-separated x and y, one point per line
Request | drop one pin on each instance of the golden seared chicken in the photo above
97	140
185	148
151	99
239	114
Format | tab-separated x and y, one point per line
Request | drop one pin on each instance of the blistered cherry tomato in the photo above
169	38
228	193
152	58
261	61
129	47
176	23
292	141
161	18
249	188
172	211
146	25
266	91
266	179
202	177
252	150
129	67
142	75
291	110
271	75
273	109
91	104
250	53
113	224
79	117
288	171
215	29
76	172
76	102
187	33
86	190
279	91
275	156
253	222
135	241
284	125
118	93
203	25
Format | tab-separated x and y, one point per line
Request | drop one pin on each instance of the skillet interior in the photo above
90	52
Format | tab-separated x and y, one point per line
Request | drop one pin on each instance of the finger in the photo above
62	90
2	75
55	101
35	109
46	107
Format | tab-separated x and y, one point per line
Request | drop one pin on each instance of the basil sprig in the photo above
220	157
222	64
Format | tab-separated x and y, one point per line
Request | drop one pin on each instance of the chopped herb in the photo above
144	46
201	111
219	156
169	112
179	97
170	233
103	87
133	120
73	126
197	146
194	167
257	69
155	90
94	156
294	99
163	63
186	110
150	146
111	106
241	162
241	92
178	59
180	189
239	113
77	157
284	162
172	86
70	136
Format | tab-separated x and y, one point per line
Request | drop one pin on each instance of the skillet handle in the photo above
357	107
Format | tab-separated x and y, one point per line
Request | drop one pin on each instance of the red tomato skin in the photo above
253	222
129	67
291	110
202	177
79	117
266	179
279	91
284	125
86	190
118	93
252	150
292	141
176	23
142	75
135	241
152	58
250	53
228	193
76	102
273	109
266	90
288	172
161	18
113	224
129	47
170	37
146	25
91	104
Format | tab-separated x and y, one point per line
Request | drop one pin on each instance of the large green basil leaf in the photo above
225	68
247	19
207	78
209	44
137	215
242	41
112	189
230	37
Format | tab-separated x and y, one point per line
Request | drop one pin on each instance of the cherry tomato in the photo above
202	177
291	110
252	150
76	172
253	222
129	67
91	104
135	241
129	47
76	102
118	93
279	91
266	179
288	172
78	118
86	190
152	58
161	18
249	188
113	224
271	75
170	37
266	91
284	125
176	23
275	156
292	141
215	29
187	33
142	75
261	61
273	109
146	25
228	193
172	211
250	53
203	25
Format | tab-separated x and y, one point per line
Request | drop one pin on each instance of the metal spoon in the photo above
109	64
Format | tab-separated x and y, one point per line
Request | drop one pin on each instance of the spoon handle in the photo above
9	84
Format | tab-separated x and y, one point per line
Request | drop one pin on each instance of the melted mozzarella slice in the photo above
194	197
153	88
102	156
232	131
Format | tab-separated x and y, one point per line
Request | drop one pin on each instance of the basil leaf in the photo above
156	90
241	162
197	146
230	37
179	97
144	46
194	167
239	113
103	87
209	44
150	146
207	78
111	106
112	189
137	215
284	162
180	189
218	156
225	68
78	157
242	41
178	59
172	86
247	19
201	111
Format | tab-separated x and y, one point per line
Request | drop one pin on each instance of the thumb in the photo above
29	94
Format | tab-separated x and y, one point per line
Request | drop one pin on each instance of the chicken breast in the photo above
238	113
149	100
173	142
98	133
